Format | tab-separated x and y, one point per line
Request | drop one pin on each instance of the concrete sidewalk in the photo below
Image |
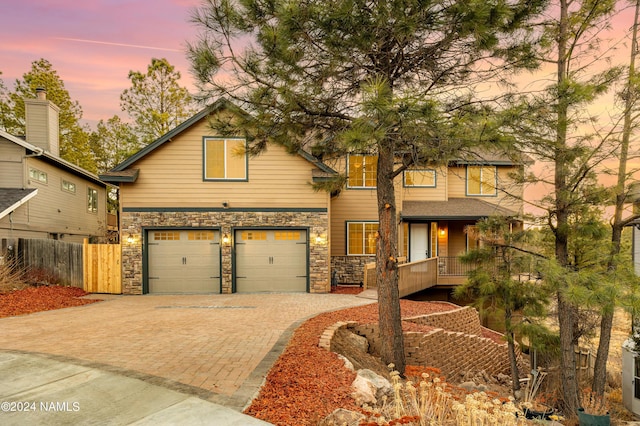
35	390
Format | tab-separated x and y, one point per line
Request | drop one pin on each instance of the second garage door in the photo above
184	261
271	260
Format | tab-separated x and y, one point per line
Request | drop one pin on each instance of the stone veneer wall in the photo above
350	269
132	224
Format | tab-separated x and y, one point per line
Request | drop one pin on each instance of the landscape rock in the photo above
348	365
369	387
342	417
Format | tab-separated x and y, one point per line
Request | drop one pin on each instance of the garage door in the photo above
271	260
184	261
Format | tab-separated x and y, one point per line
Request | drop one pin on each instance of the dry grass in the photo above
11	277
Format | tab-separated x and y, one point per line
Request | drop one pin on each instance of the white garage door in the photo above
271	260
184	261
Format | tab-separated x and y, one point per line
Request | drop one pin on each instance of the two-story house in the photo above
200	215
437	207
42	195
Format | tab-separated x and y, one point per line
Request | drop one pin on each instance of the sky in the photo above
93	44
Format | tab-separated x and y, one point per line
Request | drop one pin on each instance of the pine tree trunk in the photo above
513	361
391	339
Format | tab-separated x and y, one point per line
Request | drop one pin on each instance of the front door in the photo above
418	241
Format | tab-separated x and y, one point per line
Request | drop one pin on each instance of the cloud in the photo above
135	46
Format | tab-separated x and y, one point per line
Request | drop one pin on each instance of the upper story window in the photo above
92	200
425	178
68	186
225	159
482	180
361	238
363	171
38	175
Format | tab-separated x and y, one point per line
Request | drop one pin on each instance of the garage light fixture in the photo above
226	239
320	239
131	239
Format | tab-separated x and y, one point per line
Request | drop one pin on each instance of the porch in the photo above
420	275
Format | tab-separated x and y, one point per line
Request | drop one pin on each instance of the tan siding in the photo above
350	205
42	124
506	186
439	193
172	176
11	165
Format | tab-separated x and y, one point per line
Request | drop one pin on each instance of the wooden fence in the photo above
94	267
47	260
102	268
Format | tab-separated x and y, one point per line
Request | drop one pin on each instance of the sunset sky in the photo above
93	44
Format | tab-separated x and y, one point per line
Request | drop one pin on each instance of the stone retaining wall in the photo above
463	319
455	353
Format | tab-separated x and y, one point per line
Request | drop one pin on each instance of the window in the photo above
481	180
68	186
287	235
166	236
361	238
200	235
38	175
225	159
254	235
424	178
363	171
92	200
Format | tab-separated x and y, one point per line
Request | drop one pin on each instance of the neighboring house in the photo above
198	215
42	195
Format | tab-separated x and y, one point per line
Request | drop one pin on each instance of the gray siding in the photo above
11	167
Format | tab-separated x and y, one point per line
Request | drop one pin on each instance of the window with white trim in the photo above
38	175
92	200
225	159
68	186
361	238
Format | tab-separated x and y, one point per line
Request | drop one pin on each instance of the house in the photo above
42	195
437	207
199	215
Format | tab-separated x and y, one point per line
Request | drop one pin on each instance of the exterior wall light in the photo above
225	239
443	232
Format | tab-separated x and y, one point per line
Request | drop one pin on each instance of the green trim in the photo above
435	178
145	251
221	209
268	228
319	164
167	137
224	179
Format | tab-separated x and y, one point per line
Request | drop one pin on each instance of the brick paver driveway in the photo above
219	347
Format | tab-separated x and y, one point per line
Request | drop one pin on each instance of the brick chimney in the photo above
42	122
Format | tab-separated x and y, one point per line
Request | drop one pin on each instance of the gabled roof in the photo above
57	161
120	174
453	209
12	198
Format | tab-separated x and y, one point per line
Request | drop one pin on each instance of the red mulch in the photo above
307	382
42	298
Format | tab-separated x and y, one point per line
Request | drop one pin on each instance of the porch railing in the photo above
416	276
453	266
